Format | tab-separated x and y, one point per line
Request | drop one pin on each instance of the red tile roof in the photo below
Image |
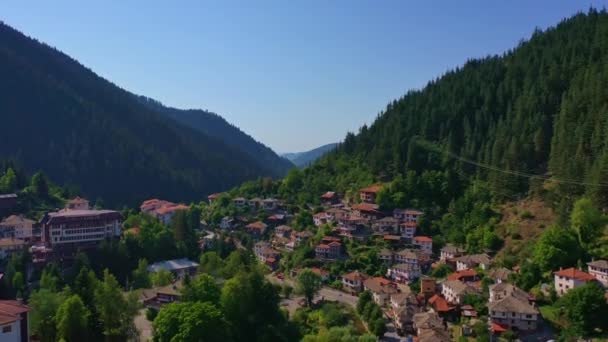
368	207
372	189
423	239
411	224
392	237
440	304
355	276
574	273
257	225
498	328
462	274
10	311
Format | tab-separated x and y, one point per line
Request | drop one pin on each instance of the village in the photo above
425	292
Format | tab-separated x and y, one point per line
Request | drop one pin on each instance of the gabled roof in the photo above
475	259
462	274
372	189
328	195
598	263
459	287
16	219
366	207
11	310
381	285
423	239
440	304
259	225
573	273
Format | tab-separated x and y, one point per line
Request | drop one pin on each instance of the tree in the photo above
202	289
364	298
141	276
19	283
161	278
190	322
44	304
308	284
72	320
587	220
115	311
40	185
8	182
585	308
556	247
211	263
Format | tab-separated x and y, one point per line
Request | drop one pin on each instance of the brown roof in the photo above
16	219
381	285
459	287
598	263
392	237
574	273
440	304
462	274
259	225
214	196
11	310
423	239
372	189
355	276
367	207
475	259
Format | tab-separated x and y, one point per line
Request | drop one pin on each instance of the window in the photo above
6	329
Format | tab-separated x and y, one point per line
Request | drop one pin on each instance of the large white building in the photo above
80	228
566	280
599	269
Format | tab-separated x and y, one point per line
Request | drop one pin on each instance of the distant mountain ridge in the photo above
215	126
85	132
303	159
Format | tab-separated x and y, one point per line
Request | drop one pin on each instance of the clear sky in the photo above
293	74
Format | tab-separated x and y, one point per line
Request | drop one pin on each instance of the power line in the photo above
429	146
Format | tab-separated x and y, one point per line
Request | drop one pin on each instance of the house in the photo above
353	282
449	252
403	273
465	276
336	214
69	229
7	201
403	308
159	296
367	210
465	262
255	203
385	225
162	210
392	240
570	278
500	275
269	204
227	223
428	286
599	269
283	232
213	197
297	238
77	203
328	251
427	321
441	306
323	274
386	256
407	215
266	254
239	202
381	289
276	219
434	335
455	290
330	198
257	228
8	246
17	226
408	229
425	243
179	267
510	307
14	323
207	241
320	219
368	195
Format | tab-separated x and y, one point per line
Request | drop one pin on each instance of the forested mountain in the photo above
535	115
303	159
81	130
217	127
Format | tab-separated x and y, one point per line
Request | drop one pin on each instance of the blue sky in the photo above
294	75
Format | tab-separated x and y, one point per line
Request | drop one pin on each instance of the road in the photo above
143	326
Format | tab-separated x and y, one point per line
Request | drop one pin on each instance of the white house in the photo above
425	243
510	307
599	269
14	323
466	262
455	290
381	289
570	278
403	273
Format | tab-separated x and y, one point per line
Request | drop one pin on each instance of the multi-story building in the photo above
239	202
425	243
465	262
79	228
455	290
14	325
511	307
17	226
407	215
566	280
368	194
403	273
408	229
329	251
386	225
599	269
353	282
450	252
266	254
9	246
381	289
162	210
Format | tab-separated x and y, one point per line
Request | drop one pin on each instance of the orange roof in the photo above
423	239
574	273
498	328
214	196
257	225
10	311
372	189
355	276
412	224
440	304
462	274
330	238
392	237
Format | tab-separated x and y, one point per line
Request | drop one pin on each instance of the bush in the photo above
151	314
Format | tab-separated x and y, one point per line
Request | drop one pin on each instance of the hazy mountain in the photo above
303	159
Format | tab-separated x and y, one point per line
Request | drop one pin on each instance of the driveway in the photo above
144	327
